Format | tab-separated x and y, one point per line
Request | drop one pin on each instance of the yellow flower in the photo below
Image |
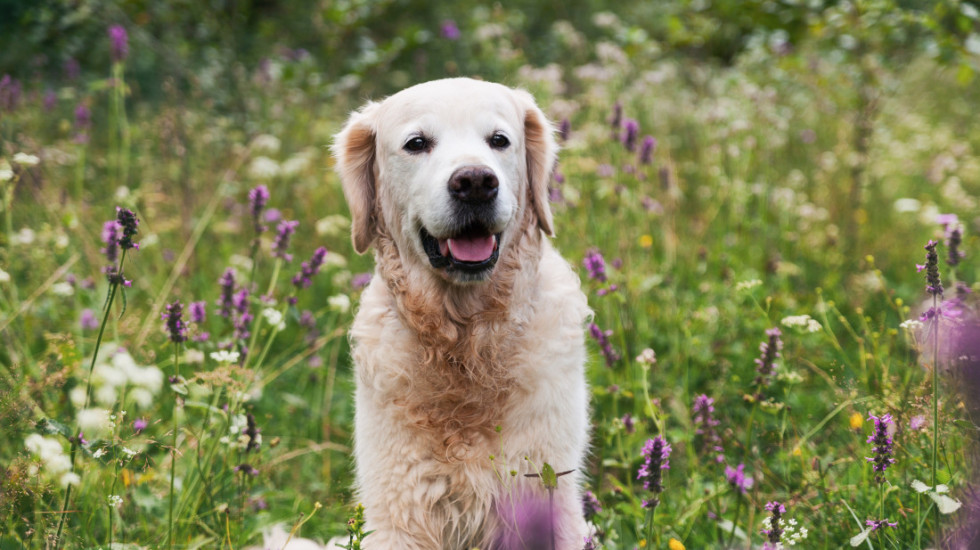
857	421
675	544
646	241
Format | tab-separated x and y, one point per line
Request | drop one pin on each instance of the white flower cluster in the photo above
647	357
805	322
115	501
912	325
793	532
225	356
54	463
274	318
747	285
237	438
115	369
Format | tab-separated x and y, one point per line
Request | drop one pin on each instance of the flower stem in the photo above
935	399
738	511
173	448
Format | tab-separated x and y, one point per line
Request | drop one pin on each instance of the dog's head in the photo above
450	167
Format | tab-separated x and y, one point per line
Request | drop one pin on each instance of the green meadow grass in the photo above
744	216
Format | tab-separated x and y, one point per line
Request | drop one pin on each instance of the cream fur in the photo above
449	373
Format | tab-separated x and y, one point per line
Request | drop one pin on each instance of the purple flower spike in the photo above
602	338
630	130
737	479
656	453
257	199
198	312
774	532
284	231
110	236
449	30
705	425
647	149
882	446
876	524
120	43
225	303
140	424
933	285
766	363
304	278
595	264
129	224
590	505
88	320
176	328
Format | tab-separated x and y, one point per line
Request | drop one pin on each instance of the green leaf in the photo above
53	427
548	476
943	476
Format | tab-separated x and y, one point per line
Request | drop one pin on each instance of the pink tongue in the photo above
476	249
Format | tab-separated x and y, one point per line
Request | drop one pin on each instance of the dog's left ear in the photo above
542	152
354	149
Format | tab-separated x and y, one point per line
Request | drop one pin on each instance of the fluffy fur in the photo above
461	381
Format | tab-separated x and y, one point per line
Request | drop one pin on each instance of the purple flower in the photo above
647	149
590	505
246	468
528	522
284	231
88	320
917	422
876	524
617	117
361	280
630	130
595	264
272	215
198	312
449	30
257	199
226	302
773	532
120	43
10	91
656	454
933	285
304	278
954	237
766	363
705	425
589	544
176	328
140	424
881	446
628	423
737	479
83	121
129	224
110	236
564	129
602	338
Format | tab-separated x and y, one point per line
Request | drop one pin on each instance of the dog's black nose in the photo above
473	184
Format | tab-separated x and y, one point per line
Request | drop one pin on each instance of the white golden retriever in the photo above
469	342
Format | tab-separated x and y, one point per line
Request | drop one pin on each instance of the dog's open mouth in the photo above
474	249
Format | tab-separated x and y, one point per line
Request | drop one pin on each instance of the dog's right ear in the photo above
355	150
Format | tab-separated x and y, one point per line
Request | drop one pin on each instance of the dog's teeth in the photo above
443	247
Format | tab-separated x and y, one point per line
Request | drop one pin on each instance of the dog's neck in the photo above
466	333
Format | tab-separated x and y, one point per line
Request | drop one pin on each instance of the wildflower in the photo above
647	357
911	325
595	264
70	478
26	159
766	363
140	424
617	117
304	278
128	223
339	303
647	149
115	501
934	285
227	282
564	129
803	321
876	524
590	505
275	318
88	320
449	30
944	503
917	422
247	469
110	236
747	285
856	421
225	356
257	199
674	544
737	479
284	231
361	280
774	531
628	424
176	327
705	425
882	446
630	129
656	452
198	312
120	43
954	237
602	338
589	543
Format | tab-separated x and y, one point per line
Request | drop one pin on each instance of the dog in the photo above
468	344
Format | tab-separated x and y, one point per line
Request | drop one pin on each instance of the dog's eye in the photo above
499	141
418	144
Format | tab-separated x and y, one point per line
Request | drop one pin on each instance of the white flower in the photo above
905	205
63	288
339	303
4	276
115	501
93	421
25	236
266	143
274	318
945	504
26	160
129	452
225	356
263	168
911	325
70	478
332	225
6	174
647	357
99	453
746	285
193	356
803	321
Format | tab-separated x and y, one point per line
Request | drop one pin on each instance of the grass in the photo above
740	220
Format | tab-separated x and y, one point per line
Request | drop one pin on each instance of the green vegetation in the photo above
804	154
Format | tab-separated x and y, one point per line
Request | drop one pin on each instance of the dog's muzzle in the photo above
473	250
